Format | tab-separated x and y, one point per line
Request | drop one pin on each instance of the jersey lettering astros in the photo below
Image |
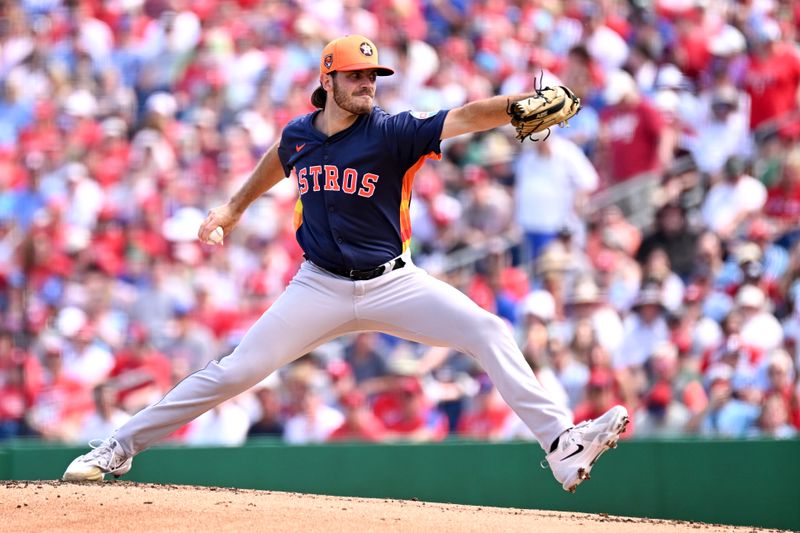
355	186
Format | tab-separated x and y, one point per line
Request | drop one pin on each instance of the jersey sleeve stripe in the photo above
405	199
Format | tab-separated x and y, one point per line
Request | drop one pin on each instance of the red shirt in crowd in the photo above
110	163
60	401
633	133
397	416
484	424
783	204
134	372
772	83
363	426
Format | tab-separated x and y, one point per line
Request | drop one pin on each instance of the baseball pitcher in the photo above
354	165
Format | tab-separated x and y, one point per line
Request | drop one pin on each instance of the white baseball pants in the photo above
317	307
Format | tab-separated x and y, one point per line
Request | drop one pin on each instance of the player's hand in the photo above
222	216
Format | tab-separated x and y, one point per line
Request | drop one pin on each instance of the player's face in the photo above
354	91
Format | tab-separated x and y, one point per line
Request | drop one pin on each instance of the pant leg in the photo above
537	241
411	304
314	309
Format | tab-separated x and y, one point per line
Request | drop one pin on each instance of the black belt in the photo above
362	275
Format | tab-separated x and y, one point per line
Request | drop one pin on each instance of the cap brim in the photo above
381	70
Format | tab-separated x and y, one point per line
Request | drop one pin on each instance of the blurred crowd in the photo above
122	122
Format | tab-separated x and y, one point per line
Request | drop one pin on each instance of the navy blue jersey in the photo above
355	186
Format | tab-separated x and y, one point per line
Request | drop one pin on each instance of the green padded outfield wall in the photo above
752	483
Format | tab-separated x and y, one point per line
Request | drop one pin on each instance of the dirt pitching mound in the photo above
125	506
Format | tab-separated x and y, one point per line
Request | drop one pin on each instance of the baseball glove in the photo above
548	107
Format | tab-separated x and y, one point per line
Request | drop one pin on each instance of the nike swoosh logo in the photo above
579	450
299	147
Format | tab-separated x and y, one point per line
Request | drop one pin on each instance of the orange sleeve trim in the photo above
405	199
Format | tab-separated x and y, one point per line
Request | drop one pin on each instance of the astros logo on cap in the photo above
353	52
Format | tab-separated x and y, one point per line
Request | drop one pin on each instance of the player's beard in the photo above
349	103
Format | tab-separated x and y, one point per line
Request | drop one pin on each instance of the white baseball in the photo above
215	237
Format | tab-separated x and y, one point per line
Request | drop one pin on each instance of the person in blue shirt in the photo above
354	165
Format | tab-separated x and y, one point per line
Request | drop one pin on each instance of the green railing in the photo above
751	483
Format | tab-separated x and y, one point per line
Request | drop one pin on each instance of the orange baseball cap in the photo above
353	52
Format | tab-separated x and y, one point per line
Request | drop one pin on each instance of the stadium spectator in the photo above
733	201
721	133
657	271
359	423
686	387
773	422
760	328
189	341
782	206
407	414
314	423
268	418
661	415
773	73
572	372
585	77
725	416
552	180
488	415
537	310
631	137
366	358
645	328
106	418
86	359
773	258
587	304
781	377
13	403
224	425
487	207
673	235
62	403
600	394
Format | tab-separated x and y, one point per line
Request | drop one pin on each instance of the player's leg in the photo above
315	308
414	305
411	304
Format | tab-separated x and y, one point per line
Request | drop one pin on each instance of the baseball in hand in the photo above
215	237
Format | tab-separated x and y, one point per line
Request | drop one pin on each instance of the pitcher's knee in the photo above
494	324
486	328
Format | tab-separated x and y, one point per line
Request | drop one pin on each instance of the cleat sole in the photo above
583	473
84	476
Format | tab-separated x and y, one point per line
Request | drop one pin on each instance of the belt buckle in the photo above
359	275
364	275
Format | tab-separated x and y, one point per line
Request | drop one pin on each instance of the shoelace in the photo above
104	454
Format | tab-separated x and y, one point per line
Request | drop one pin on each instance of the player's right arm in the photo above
265	175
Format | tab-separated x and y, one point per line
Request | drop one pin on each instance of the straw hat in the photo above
554	259
649	295
585	292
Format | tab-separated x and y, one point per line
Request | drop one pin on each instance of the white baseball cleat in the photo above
106	457
579	447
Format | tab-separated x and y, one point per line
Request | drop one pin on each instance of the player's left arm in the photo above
480	115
